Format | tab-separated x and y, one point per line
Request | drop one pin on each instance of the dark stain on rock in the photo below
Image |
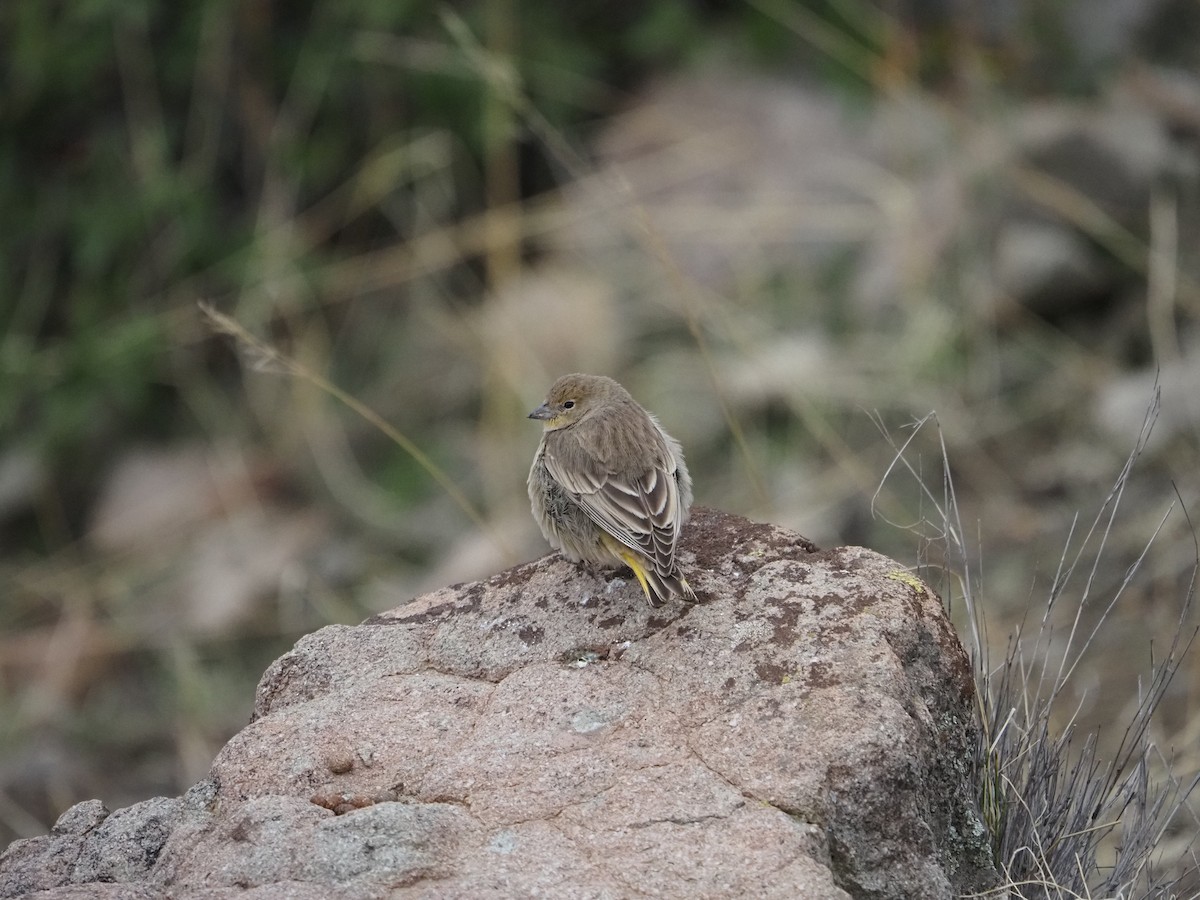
936	650
380	619
911	599
942	645
784	625
711	536
517	575
241	831
856	603
960	668
432	614
743	614
831	559
531	634
470	600
791	572
686	609
772	673
832	634
821	675
611	622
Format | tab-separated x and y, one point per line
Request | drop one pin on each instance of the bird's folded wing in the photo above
641	511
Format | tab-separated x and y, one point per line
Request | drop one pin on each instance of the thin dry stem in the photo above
269	358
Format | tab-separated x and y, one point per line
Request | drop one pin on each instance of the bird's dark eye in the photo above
568	404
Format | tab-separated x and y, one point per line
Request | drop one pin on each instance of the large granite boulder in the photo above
806	731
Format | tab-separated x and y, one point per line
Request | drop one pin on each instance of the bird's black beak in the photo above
543	412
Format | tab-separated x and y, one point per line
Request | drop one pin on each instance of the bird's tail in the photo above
658	588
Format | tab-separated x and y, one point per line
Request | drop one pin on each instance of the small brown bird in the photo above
608	485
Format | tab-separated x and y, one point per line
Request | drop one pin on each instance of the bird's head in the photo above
573	397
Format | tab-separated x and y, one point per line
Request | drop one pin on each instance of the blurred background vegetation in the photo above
792	229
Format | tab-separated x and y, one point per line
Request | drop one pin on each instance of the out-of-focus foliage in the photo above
147	151
140	143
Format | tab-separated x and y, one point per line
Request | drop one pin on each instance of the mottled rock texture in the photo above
805	731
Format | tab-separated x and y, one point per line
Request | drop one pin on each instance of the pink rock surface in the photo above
806	731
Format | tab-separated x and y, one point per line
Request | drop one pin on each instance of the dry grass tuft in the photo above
1073	812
